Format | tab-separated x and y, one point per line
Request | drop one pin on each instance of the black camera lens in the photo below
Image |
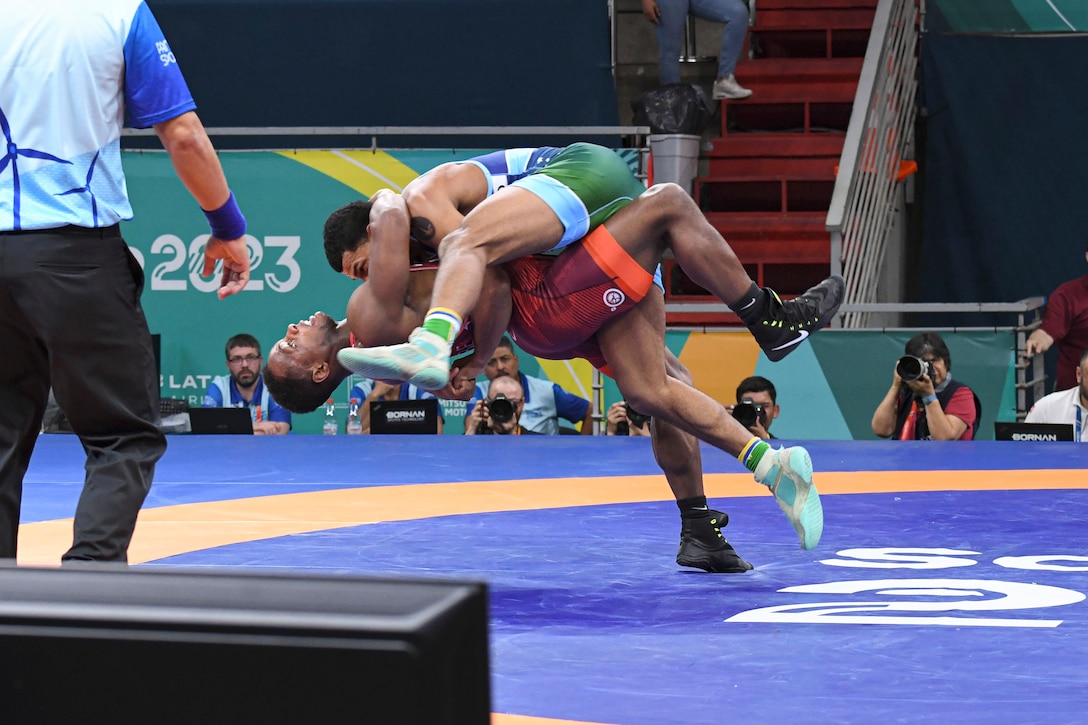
911	368
500	409
637	419
748	412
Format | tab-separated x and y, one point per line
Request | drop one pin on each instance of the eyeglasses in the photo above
238	359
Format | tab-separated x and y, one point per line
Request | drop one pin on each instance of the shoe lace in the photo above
797	313
716	521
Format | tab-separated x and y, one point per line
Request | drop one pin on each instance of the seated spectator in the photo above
623	420
545	402
931	406
367	391
1065	322
671	17
244	388
757	405
1066	406
500	413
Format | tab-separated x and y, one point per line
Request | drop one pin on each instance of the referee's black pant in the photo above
71	318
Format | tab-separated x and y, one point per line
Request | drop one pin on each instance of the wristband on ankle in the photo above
929	399
227	222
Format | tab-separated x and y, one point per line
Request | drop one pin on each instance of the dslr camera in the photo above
500	409
912	368
637	419
747	412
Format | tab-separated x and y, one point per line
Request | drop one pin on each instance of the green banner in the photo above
286	198
827	389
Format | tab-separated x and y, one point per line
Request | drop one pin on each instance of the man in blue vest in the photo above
545	401
244	388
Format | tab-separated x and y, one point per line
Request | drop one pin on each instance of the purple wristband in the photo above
227	222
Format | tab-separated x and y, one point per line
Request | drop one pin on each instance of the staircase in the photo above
771	173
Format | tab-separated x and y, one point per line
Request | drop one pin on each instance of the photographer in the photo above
924	402
623	420
500	412
757	405
545	402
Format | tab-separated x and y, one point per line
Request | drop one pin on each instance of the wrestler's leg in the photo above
702	544
505	226
666	217
633	345
489	322
630	346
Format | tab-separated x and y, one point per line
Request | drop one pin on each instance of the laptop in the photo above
221	421
404	416
1005	431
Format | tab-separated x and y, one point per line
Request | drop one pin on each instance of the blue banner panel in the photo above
394	62
1006	166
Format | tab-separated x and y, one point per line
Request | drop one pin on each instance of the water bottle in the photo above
331	426
355	426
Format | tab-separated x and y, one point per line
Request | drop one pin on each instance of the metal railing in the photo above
879	137
1027	314
638	134
1030	376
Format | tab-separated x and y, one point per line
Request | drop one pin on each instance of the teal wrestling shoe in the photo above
788	473
423	361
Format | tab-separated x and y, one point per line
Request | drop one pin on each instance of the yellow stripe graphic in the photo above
364	171
574	376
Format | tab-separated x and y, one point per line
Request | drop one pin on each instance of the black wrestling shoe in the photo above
785	325
702	545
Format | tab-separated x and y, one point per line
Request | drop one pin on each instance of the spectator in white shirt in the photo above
1066	406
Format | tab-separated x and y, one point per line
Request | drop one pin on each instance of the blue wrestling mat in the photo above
949	585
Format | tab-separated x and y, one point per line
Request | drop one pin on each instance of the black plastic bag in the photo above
675	108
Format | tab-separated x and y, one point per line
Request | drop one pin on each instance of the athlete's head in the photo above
504	361
347	244
302	372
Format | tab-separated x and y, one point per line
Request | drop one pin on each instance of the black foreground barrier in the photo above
117	645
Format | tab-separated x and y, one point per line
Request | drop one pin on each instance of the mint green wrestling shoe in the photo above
423	361
788	473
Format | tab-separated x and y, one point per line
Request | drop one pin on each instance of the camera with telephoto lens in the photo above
637	419
747	412
500	409
911	368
